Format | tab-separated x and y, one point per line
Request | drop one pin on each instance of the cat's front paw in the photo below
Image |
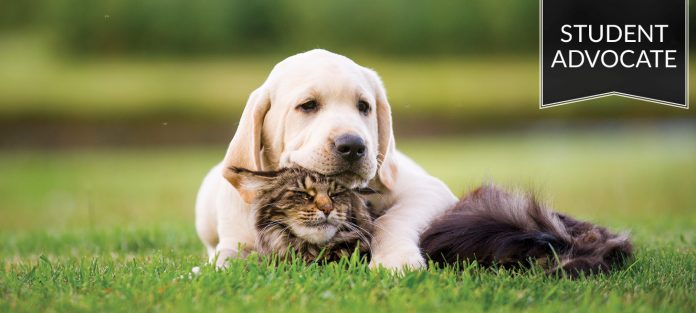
399	259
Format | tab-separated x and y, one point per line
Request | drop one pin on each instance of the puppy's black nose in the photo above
350	147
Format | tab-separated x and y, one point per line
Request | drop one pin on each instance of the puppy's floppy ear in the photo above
387	147
247	182
245	149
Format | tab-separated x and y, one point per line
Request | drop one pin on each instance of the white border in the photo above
612	93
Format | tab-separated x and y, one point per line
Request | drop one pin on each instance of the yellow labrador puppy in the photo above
323	112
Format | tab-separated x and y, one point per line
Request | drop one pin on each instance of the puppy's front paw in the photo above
223	256
399	259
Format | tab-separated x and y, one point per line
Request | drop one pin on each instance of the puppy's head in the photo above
320	111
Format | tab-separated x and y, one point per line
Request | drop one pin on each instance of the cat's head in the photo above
311	206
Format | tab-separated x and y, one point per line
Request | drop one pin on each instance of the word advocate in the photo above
612	58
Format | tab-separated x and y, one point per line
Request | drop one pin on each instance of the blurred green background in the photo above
83	72
112	111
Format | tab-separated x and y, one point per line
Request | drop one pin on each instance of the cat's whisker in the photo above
360	232
269	225
366	241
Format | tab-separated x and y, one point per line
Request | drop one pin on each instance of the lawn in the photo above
112	230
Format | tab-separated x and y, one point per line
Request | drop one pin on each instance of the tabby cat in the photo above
315	216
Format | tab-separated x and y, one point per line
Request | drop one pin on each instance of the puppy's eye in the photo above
363	107
309	106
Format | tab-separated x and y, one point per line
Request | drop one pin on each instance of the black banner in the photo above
631	48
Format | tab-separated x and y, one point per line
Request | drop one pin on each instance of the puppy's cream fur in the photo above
273	133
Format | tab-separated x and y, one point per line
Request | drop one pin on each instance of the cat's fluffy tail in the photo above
494	226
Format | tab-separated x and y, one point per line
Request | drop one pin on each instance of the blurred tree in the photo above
209	27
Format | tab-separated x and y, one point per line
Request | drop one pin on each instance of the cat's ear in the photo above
247	182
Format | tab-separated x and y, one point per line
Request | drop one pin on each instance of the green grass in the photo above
112	230
661	280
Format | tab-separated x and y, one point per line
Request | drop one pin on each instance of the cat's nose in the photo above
323	203
326	208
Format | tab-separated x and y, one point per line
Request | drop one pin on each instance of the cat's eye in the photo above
309	106
304	195
365	191
338	193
